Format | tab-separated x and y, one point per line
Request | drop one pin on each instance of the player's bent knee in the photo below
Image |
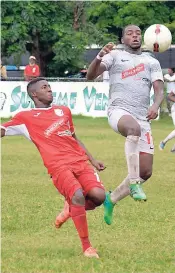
134	131
97	196
146	174
78	198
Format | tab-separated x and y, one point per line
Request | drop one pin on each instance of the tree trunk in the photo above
36	52
78	13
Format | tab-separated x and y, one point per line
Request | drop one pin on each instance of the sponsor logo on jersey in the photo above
124	60
59	112
64	133
54	127
145	80
133	71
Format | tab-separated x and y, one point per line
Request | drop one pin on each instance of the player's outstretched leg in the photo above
132	157
169	137
63	216
123	190
113	198
78	214
131	129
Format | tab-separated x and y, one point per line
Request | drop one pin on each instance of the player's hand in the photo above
152	112
98	165
106	49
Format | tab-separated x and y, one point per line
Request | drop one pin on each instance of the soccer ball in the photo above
157	38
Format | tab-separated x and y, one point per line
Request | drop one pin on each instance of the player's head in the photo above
171	71
40	91
131	36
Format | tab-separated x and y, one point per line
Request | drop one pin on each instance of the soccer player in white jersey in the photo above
170	78
131	76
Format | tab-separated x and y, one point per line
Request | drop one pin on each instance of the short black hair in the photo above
123	30
31	84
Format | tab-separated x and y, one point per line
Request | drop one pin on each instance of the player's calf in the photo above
78	214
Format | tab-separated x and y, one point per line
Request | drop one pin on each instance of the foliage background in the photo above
57	32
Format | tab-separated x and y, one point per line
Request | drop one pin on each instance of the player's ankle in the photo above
112	198
85	244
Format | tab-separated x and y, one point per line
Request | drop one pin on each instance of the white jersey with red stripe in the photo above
130	78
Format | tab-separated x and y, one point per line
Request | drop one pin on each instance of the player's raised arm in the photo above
97	164
97	67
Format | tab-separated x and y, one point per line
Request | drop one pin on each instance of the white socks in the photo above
122	190
132	158
170	136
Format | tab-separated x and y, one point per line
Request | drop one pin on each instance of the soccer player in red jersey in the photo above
51	129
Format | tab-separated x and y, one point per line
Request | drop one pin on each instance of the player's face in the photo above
170	71
132	37
44	92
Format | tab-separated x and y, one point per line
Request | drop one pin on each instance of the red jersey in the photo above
32	70
50	129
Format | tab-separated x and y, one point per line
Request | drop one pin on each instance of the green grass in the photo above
141	239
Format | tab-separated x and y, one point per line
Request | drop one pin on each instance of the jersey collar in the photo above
42	108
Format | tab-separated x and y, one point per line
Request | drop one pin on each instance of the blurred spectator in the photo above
3	72
32	69
83	73
170	82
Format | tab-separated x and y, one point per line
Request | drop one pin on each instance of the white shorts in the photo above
173	113
146	144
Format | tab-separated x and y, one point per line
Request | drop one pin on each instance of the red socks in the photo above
78	215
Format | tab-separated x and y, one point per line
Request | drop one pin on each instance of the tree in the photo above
114	15
55	32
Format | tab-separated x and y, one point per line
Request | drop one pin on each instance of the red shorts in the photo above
80	175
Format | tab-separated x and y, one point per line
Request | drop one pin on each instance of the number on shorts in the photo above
97	176
148	137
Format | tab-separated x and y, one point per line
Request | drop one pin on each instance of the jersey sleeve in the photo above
108	60
72	130
16	126
156	71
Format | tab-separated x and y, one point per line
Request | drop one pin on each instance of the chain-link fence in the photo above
54	79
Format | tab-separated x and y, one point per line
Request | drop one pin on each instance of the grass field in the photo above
142	237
